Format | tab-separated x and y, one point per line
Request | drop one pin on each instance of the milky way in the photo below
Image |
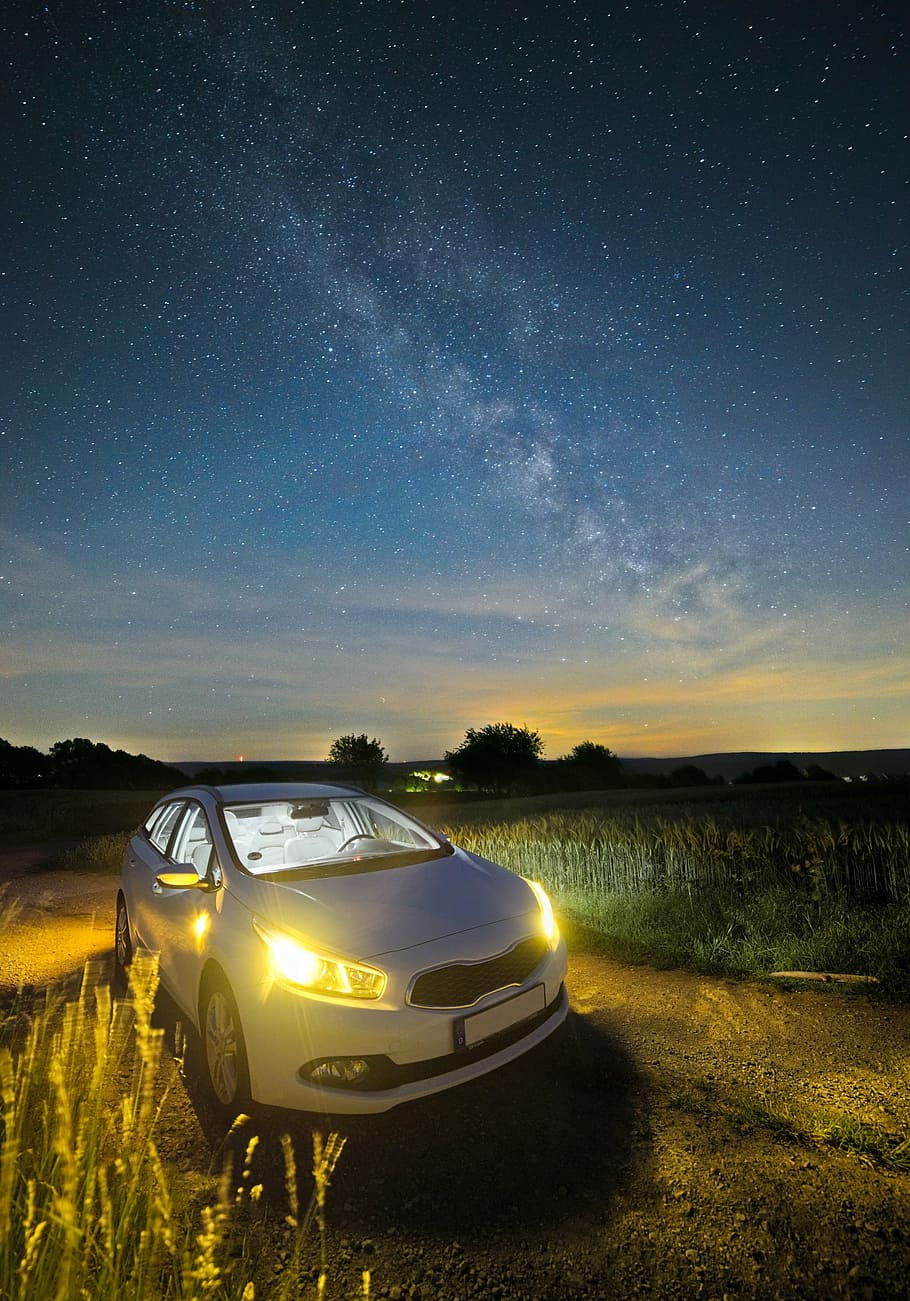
403	367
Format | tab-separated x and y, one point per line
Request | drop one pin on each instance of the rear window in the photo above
161	824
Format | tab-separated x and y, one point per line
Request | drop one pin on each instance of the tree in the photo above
591	766
22	765
359	759
496	758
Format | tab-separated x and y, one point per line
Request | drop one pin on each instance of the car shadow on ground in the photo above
536	1142
532	1143
526	1144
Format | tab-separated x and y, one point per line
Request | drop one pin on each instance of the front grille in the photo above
463	983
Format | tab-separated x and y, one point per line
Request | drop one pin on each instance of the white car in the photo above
334	953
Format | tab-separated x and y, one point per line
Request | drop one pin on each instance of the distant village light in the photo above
422	778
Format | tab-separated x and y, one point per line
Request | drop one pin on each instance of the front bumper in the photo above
411	1052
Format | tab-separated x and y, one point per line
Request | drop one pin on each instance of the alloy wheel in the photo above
123	945
223	1046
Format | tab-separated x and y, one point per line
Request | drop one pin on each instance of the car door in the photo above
166	920
184	914
147	856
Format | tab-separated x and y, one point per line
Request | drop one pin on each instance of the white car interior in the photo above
270	837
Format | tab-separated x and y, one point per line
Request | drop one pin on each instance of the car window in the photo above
193	841
161	824
311	833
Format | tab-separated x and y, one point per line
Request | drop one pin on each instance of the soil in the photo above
645	1151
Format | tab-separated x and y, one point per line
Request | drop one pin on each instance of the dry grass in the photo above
87	1208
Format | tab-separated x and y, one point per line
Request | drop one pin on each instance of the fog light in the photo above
337	1071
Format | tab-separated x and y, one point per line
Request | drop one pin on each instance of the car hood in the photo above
371	913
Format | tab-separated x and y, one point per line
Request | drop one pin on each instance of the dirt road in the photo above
657	1150
52	920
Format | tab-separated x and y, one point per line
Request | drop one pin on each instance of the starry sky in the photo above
400	366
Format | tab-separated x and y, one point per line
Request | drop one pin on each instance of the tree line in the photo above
80	764
498	759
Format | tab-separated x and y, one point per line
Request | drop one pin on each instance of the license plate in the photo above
472	1030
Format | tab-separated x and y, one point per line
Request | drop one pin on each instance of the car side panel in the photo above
163	920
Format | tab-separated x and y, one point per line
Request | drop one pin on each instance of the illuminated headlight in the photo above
322	973
547	920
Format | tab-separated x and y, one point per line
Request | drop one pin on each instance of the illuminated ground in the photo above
648	1153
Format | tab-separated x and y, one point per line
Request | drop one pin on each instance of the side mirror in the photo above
188	880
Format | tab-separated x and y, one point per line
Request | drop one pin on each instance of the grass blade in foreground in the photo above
86	1208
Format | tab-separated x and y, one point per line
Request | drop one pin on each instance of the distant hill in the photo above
288	769
843	763
303	770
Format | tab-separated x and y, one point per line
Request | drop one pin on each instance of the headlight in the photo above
547	920
320	972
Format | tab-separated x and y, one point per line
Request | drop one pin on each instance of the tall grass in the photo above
100	854
596	853
721	895
87	1210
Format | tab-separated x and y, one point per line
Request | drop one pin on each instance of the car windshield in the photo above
304	835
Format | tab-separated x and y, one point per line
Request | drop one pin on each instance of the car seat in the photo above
314	840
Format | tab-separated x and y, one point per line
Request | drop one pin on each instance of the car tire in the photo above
123	945
224	1060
